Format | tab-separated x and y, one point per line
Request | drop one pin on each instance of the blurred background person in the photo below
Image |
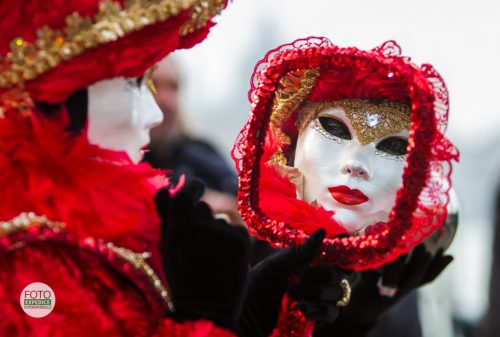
490	326
173	148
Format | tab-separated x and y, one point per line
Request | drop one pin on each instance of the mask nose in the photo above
356	169
152	114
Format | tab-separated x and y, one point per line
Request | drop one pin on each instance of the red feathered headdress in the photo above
53	48
314	69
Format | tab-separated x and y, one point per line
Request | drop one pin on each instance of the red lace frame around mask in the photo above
420	206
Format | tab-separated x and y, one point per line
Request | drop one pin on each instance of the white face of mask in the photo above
120	114
358	182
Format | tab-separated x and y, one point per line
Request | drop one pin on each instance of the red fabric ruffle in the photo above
170	328
91	298
344	83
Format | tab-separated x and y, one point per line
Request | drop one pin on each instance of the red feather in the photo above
278	199
96	192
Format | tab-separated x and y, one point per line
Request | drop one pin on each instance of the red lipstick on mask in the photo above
347	196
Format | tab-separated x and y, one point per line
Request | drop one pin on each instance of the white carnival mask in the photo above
352	154
120	114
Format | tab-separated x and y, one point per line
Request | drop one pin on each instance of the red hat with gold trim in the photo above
51	49
295	81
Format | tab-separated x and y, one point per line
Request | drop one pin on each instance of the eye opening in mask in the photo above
395	145
133	84
335	127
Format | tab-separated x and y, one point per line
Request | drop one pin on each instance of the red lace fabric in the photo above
420	206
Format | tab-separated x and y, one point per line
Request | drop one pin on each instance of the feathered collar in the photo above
95	192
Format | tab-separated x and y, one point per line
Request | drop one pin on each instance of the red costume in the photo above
381	93
75	216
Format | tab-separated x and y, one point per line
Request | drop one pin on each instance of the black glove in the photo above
367	305
205	259
317	290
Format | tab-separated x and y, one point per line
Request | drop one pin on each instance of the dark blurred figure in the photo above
401	320
172	148
490	327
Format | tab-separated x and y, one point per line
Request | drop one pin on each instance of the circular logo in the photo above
37	299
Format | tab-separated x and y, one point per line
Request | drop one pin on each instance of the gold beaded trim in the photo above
138	260
16	101
346	293
293	89
370	120
201	13
26	61
27	220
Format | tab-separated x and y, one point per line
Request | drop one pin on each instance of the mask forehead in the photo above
369	120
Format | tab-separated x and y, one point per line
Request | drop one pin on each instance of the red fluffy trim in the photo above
278	199
170	328
342	83
97	193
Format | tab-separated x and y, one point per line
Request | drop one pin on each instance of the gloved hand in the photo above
205	259
317	290
367	305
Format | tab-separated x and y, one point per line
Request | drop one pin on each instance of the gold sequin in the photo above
16	101
370	120
26	61
200	14
138	260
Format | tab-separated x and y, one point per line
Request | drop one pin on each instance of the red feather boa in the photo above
278	199
96	192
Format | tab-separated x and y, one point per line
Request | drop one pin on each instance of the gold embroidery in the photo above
138	260
370	120
26	61
293	89
28	220
200	14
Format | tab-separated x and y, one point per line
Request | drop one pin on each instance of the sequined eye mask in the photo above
370	120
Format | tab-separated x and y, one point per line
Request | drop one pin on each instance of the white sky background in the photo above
460	38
